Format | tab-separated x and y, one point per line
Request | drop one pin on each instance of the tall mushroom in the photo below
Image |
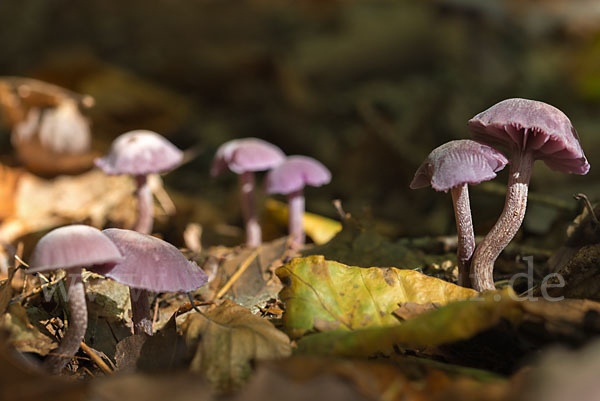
530	130
290	178
149	264
140	153
452	166
71	248
244	157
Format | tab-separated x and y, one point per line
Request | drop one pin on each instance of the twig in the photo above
588	205
96	359
237	274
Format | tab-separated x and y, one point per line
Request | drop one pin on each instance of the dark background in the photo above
368	88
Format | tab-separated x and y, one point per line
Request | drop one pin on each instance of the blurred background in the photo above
369	88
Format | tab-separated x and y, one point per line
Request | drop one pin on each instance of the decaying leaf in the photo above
23	335
6	290
43	204
456	321
164	351
227	339
22	380
320	229
319	291
326	378
246	275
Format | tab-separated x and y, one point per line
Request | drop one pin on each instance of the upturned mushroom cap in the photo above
535	126
152	264
140	152
456	163
295	173
244	155
73	246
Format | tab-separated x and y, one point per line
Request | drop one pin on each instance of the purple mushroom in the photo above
149	264
244	157
71	248
530	130
453	166
139	153
290	178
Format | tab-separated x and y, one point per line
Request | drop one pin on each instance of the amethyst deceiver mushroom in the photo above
290	178
452	166
149	264
530	130
140	153
244	157
71	248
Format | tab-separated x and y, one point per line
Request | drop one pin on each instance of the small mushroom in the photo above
71	248
452	166
290	178
149	264
530	130
140	153
244	157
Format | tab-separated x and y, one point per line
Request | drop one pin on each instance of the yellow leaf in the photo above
320	229
325	295
456	321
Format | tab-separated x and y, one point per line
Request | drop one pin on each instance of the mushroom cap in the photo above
533	126
247	154
295	173
152	264
458	162
73	246
140	152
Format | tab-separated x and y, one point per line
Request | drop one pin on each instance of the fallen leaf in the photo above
172	387
21	379
321	291
320	229
227	339
6	290
257	283
23	335
163	352
453	322
44	204
407	310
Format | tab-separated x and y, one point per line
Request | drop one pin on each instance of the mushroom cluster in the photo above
529	130
287	176
129	257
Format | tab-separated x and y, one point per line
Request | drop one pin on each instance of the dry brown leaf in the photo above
93	197
407	310
257	283
227	339
23	335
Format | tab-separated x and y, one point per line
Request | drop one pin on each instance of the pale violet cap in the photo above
458	162
245	155
73	246
295	173
152	264
140	152
530	125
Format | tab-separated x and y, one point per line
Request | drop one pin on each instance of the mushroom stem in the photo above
78	319
482	265
145	217
464	229
140	311
253	232
295	217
